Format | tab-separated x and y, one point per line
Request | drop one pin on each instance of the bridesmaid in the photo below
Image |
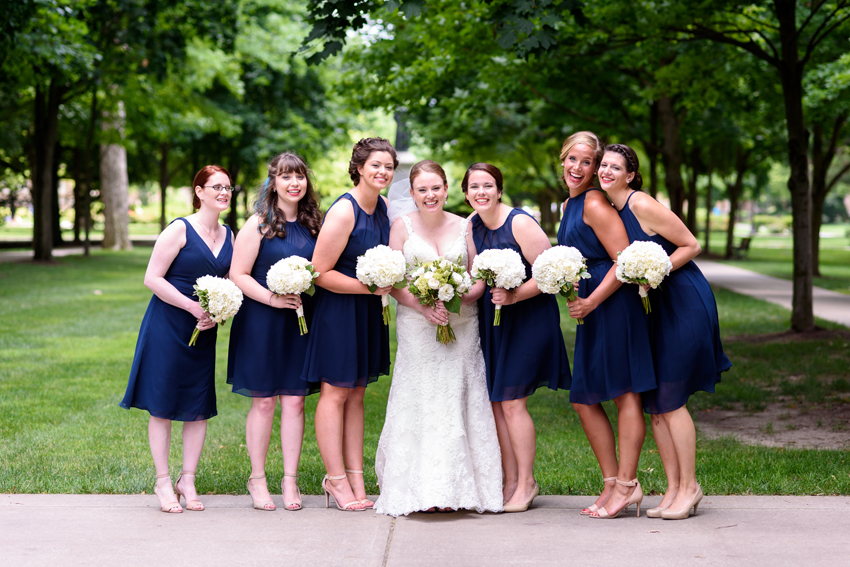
612	359
169	379
526	351
349	345
266	348
685	331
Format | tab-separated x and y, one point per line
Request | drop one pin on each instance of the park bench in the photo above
743	248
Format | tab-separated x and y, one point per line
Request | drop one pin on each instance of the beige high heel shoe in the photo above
525	505
684	514
288	505
267	505
635	498
656	512
348	505
593	507
367	504
193	505
168	507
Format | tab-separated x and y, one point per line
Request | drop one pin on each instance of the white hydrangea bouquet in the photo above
440	280
219	297
382	266
643	263
558	270
499	268
293	275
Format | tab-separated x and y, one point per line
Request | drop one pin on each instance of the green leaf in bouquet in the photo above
311	291
400	285
372	288
453	306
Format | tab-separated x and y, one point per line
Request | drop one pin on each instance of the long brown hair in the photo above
201	179
272	220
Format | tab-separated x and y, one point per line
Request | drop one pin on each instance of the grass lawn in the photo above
66	346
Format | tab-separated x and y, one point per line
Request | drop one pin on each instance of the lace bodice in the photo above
416	250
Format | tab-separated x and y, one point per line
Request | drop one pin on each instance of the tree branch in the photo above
841	173
704	32
813	43
574	112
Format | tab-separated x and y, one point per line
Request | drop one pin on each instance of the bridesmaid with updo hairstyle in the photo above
684	329
612	359
349	345
266	348
170	379
526	351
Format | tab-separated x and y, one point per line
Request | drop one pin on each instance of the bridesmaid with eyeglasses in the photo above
169	379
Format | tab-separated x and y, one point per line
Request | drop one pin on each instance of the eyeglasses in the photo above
220	188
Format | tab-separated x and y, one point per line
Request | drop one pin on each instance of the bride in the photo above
438	449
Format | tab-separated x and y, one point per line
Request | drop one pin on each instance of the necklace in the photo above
208	232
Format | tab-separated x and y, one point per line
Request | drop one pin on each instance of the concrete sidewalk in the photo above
129	530
829	305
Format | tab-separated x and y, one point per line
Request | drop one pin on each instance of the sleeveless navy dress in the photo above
526	351
613	355
349	345
267	350
170	379
684	330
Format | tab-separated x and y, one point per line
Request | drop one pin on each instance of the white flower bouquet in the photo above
558	270
440	280
643	263
499	268
219	297
293	275
382	266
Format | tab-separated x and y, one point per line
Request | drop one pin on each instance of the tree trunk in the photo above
652	153
672	154
56	227
791	75
691	223
544	203
822	158
47	100
734	191
114	186
164	181
233	212
708	205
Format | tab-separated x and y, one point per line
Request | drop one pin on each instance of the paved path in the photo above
129	530
829	305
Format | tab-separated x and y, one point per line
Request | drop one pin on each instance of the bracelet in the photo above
272	294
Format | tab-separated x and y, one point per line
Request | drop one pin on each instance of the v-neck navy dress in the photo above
526	351
267	349
349	345
613	355
169	379
684	330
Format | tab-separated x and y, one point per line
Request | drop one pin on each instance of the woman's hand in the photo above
581	307
287	301
204	321
383	290
437	314
503	296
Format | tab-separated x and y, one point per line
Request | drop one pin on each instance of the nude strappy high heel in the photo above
593	507
168	507
193	505
347	506
684	514
288	505
635	498
266	505
366	502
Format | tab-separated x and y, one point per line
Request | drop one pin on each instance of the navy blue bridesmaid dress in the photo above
349	345
267	350
612	355
169	378
526	351
684	330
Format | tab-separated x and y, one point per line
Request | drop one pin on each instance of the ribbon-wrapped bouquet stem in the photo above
293	275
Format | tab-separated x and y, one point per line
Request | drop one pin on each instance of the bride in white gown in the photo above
438	449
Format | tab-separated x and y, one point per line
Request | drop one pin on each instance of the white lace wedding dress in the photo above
439	445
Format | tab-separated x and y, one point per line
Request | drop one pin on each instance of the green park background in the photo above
744	137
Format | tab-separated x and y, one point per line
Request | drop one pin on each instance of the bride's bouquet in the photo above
440	280
219	297
382	266
643	263
293	275
499	268
558	270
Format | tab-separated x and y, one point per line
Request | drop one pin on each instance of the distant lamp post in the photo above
402	147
